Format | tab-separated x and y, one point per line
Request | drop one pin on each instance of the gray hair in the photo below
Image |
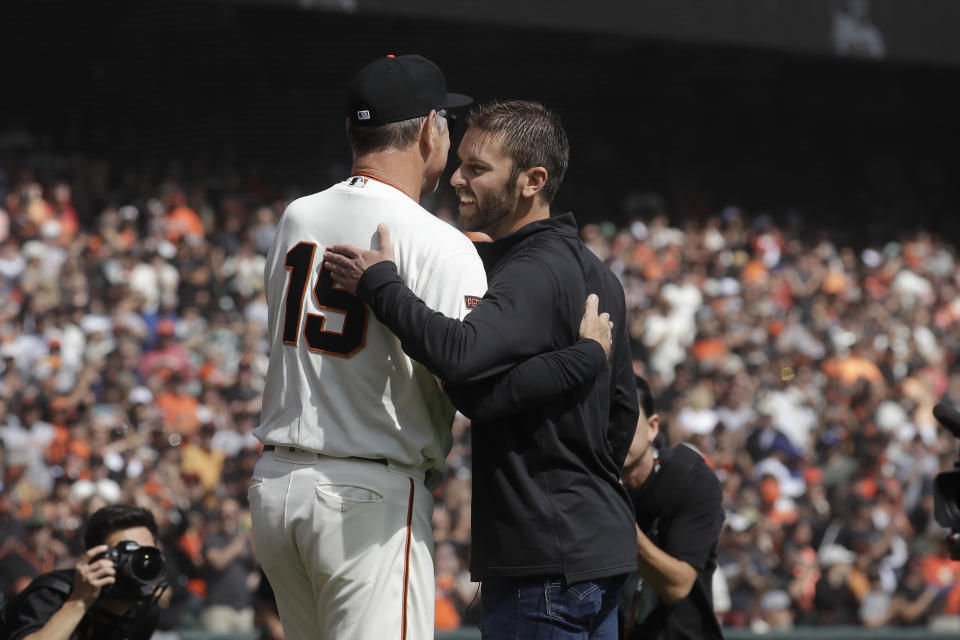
393	136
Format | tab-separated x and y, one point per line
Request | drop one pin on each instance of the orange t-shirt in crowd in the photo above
179	412
851	369
446	616
835	283
183	221
709	349
754	273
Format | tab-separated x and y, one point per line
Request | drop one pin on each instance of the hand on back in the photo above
347	263
596	326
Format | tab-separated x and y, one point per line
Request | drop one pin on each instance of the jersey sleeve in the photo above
531	384
511	323
695	527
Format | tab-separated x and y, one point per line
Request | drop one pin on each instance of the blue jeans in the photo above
549	609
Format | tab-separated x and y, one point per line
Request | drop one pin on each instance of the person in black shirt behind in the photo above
102	598
677	499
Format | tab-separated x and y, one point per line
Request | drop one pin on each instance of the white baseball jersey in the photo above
338	382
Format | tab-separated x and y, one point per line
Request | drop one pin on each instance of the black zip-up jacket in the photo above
547	499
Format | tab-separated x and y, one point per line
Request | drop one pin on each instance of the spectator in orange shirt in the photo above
852	368
178	407
182	220
454	592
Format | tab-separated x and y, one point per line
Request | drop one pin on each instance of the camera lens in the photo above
146	564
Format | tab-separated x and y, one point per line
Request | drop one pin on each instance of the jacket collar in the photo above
492	252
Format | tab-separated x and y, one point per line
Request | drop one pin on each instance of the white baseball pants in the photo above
347	545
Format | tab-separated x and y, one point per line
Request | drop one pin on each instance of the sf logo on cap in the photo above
363	115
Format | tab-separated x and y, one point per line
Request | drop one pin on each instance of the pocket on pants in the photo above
255	483
577	603
345	496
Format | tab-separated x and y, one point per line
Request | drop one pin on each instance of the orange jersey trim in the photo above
406	563
381	180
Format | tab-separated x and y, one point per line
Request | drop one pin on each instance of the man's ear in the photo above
532	181
654	426
429	136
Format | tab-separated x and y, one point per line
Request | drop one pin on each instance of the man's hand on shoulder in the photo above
347	263
596	326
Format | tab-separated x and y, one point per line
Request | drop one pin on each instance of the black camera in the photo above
140	571
946	486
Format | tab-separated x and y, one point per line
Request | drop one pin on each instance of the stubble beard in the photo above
492	208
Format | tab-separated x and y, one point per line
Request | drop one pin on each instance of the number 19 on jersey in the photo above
350	338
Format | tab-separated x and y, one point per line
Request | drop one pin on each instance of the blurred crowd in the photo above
806	372
133	352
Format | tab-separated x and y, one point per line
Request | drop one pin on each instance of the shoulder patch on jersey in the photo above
471	301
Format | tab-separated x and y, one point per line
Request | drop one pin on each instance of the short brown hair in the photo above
532	136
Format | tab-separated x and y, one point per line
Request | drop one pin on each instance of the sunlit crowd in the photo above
133	353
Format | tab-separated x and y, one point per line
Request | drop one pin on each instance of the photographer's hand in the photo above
90	577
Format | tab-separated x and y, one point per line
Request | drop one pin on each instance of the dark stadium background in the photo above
788	129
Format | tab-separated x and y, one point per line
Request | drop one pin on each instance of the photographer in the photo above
677	499
110	595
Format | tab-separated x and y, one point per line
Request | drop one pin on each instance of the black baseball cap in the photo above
395	88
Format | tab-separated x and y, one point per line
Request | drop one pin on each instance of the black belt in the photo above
270	447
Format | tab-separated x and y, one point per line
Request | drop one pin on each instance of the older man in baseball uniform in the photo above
352	427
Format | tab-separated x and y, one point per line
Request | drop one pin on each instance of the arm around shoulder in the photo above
542	379
531	384
508	325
